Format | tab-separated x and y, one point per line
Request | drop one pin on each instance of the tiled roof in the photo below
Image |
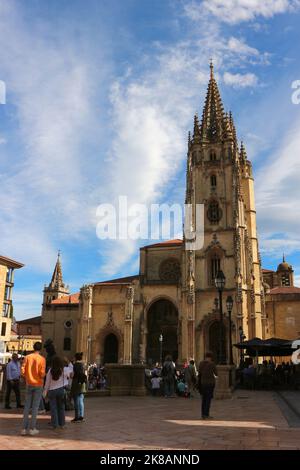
67	299
285	290
267	270
120	280
176	242
32	320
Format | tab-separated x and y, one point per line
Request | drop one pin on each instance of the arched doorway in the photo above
214	340
162	318
111	349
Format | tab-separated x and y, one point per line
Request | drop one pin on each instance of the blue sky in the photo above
100	98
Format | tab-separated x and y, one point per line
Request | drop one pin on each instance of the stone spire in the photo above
196	133
57	277
57	287
212	123
243	153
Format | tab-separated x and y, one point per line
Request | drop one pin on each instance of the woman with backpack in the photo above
54	390
78	388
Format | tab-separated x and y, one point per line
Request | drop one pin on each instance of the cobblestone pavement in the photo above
250	420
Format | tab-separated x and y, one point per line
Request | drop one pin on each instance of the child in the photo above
155	385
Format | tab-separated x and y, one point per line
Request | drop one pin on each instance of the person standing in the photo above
33	369
78	388
56	380
207	375
168	374
13	374
190	377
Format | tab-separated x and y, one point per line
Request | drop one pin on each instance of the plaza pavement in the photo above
250	420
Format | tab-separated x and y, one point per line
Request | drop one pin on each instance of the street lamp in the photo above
229	305
160	347
220	284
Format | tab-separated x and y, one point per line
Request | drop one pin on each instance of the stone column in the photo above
225	382
127	356
84	336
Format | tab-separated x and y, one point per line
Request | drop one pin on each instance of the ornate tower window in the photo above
169	270
213	181
212	156
214	213
214	266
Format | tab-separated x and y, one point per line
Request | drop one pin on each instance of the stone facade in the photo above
173	298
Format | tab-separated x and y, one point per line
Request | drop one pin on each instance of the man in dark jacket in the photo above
168	375
206	382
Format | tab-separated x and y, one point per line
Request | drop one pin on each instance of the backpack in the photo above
168	370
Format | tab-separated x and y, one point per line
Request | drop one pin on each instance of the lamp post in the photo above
160	348
89	340
229	305
242	338
220	284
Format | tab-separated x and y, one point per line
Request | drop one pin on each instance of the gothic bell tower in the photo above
57	287
219	176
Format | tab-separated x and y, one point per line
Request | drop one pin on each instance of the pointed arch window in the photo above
213	181
214	266
213	156
214	213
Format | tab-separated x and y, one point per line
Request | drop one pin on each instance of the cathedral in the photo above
172	306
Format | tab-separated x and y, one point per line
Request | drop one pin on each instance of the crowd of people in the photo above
53	383
170	381
97	379
268	374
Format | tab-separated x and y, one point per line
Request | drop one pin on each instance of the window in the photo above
214	213
9	275
3	329
67	344
6	310
213	156
29	330
213	181
285	280
214	268
169	270
7	293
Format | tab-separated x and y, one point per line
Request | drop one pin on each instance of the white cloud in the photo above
278	194
238	80
50	82
237	11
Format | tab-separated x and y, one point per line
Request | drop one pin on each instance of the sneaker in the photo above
75	420
7	407
33	432
20	406
81	418
41	412
23	432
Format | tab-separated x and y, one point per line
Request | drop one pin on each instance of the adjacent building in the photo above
7	268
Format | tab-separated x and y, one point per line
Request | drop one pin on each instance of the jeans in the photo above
32	401
207	392
15	386
79	405
169	386
57	406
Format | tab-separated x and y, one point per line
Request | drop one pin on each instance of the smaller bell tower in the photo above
57	287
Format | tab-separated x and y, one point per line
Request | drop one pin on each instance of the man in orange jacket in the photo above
34	370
